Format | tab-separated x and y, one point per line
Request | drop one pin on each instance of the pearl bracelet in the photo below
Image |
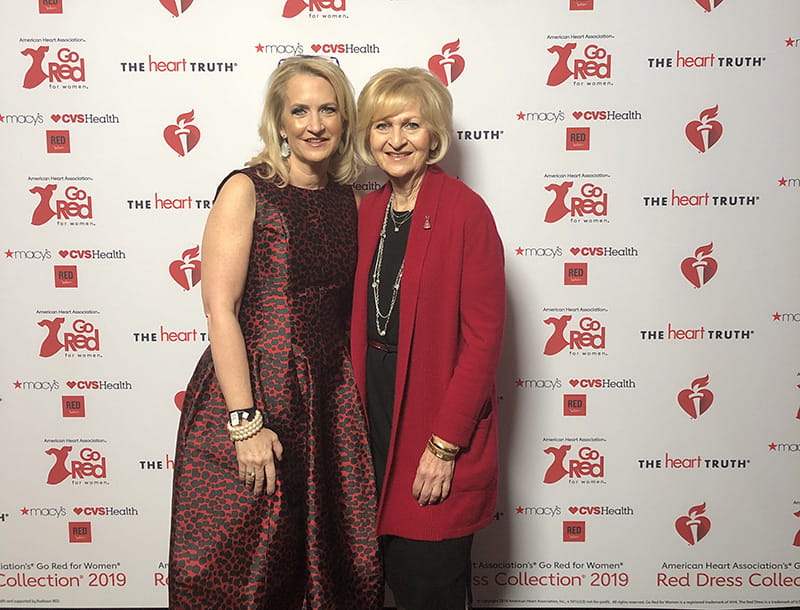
246	430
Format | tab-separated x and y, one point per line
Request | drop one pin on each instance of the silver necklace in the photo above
376	274
399	218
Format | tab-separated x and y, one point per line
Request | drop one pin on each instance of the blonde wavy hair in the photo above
393	90
344	165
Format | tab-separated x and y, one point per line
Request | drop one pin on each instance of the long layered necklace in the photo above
398	220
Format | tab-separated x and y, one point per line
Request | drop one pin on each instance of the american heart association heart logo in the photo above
697	399
704	133
700	268
448	65
709	4
182	136
694	526
186	270
176	7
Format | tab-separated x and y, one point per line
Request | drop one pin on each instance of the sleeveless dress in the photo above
312	544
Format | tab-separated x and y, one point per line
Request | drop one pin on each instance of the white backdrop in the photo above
642	162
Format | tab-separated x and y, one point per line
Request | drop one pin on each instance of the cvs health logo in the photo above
590	334
64	68
176	7
697	399
82	336
587	463
88	464
293	8
700	268
186	270
705	132
694	526
592	62
75	204
183	136
448	65
589	201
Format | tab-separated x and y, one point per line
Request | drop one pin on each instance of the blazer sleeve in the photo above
482	302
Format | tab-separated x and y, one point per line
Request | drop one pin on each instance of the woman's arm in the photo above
226	247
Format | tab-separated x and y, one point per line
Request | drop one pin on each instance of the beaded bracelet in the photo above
246	430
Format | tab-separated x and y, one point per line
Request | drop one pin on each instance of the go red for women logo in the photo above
64	68
706	131
75	204
700	268
176	7
591	202
448	65
696	399
593	62
183	136
88	464
694	526
293	8
590	335
82	337
588	464
186	270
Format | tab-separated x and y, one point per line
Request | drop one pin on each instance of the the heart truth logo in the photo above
708	5
589	335
176	7
186	270
589	464
591	202
704	133
84	336
448	65
697	399
182	136
694	526
67	66
595	63
700	268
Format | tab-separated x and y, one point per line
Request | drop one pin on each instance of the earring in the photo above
285	152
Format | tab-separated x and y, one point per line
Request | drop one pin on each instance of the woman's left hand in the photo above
434	476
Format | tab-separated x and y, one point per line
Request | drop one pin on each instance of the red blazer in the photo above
452	312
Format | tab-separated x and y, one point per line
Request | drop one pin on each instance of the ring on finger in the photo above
251	475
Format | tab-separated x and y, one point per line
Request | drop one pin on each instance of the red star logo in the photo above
9	254
259	48
1	118
789	42
520	510
773	446
519	251
24	511
519	383
776	316
520	116
782	181
17	384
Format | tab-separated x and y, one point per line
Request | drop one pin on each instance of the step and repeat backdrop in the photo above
643	165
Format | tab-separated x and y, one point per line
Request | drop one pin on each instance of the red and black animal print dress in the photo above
312	544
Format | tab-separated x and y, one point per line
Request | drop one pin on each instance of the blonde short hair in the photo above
344	165
391	91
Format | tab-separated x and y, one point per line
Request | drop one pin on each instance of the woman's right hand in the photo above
256	457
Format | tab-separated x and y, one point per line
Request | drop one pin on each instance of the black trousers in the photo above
428	575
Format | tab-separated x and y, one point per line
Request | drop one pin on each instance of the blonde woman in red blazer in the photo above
428	317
